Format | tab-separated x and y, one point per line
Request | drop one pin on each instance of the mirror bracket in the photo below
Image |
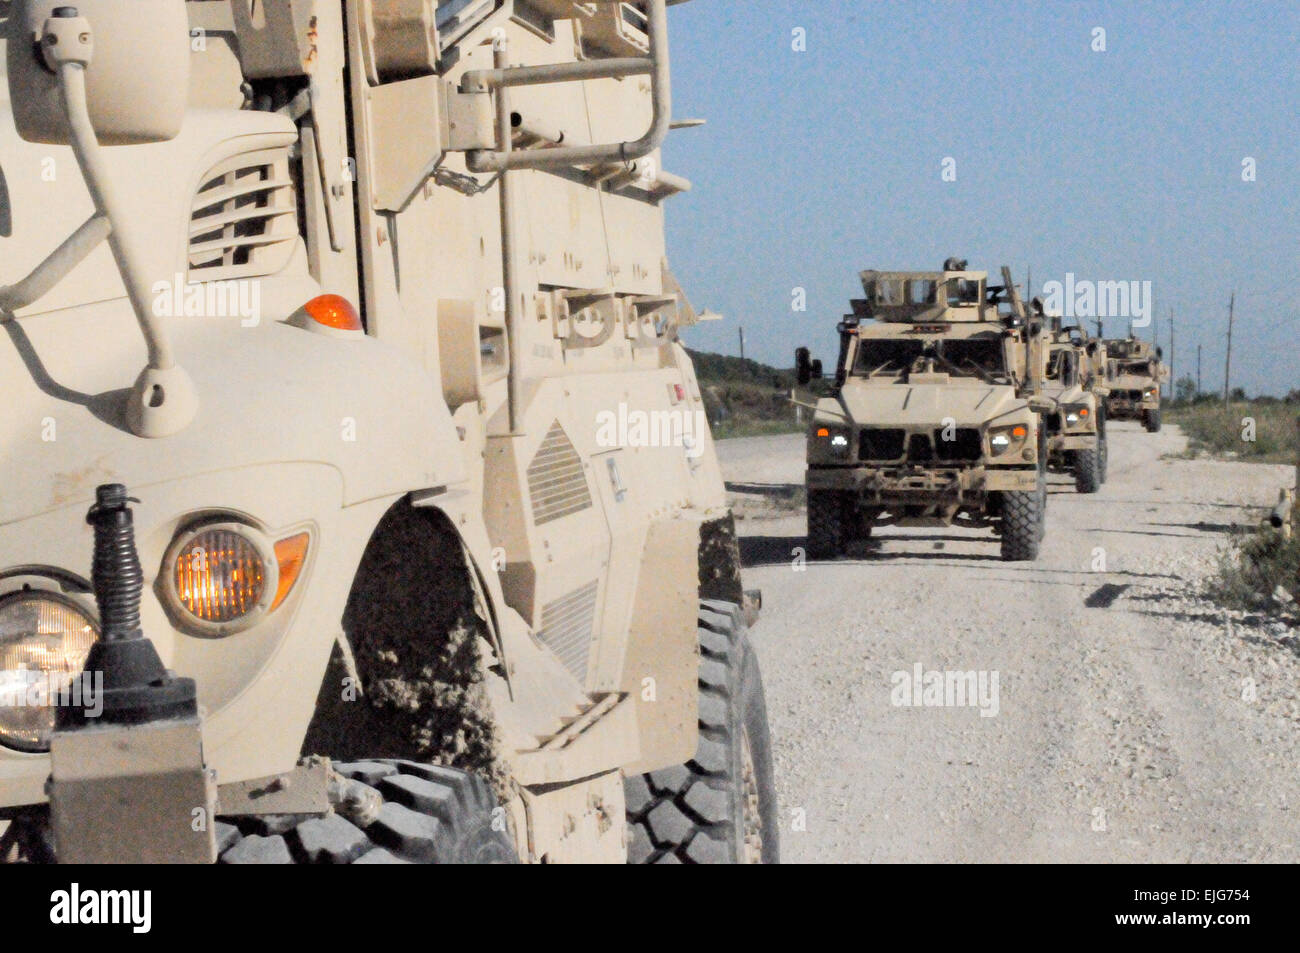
163	399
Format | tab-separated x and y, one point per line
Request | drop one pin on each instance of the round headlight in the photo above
44	640
220	578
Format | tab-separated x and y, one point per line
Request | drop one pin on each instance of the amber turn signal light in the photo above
333	311
290	554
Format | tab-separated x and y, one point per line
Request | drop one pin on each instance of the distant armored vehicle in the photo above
1136	373
933	419
1076	426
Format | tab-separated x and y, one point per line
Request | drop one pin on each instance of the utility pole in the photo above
1029	282
1173	378
742	342
1227	362
1198	370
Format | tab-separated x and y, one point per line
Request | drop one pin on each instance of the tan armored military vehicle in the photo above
1076	425
933	418
348	329
1136	373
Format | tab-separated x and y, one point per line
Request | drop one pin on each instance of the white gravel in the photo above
1156	728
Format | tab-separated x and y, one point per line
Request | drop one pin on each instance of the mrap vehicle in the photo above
1136	373
934	418
358	500
1076	426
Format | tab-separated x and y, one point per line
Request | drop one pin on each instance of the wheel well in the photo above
407	679
719	561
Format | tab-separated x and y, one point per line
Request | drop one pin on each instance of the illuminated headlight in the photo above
1004	440
837	440
221	578
44	640
1077	415
1150	392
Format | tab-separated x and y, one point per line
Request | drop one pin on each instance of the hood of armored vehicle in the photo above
267	394
905	405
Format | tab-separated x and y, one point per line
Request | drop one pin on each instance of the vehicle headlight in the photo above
221	578
1150	392
1003	440
1077	415
44	640
837	440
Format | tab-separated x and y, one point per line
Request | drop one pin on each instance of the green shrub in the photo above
1252	568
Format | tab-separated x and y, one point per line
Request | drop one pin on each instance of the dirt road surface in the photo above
1135	721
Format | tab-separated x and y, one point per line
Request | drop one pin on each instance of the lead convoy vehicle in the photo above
423	490
933	418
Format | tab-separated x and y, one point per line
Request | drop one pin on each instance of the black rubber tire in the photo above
694	813
1023	524
1104	447
1152	421
1086	465
863	522
429	815
826	525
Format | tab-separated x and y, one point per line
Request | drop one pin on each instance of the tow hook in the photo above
127	779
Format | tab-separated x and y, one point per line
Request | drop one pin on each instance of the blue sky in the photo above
1117	165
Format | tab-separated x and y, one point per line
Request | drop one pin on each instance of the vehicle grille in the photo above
880	444
965	445
568	624
244	221
557	483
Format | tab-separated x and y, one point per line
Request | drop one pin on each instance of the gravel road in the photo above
1134	721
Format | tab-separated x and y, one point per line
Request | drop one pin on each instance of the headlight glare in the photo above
1003	440
220	578
44	640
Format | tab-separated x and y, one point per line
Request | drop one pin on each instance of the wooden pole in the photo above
1227	362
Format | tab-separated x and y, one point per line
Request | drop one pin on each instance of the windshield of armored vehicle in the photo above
1140	368
1055	364
977	357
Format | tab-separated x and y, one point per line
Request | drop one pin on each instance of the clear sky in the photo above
1125	164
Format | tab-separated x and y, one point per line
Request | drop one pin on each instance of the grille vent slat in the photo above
244	219
557	483
568	624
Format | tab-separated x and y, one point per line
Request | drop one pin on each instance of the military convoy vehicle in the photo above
1076	425
934	415
359	504
1136	373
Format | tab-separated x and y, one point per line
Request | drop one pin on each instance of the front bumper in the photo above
1126	408
1060	443
912	486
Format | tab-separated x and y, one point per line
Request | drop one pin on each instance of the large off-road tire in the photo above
1086	466
719	807
1152	421
827	526
427	814
1023	524
1103	446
